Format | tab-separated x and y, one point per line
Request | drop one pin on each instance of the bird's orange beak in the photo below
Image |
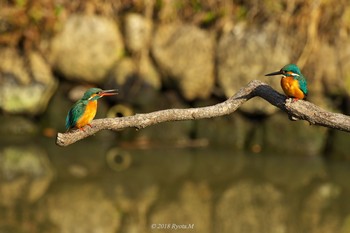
107	93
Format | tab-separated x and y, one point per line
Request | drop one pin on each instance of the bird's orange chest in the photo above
89	114
291	87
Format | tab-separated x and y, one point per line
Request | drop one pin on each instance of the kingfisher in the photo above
84	110
293	82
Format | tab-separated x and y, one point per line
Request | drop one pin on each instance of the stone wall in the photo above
165	54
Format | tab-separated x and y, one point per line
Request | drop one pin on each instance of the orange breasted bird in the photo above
293	82
84	110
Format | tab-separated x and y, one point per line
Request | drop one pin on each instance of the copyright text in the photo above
172	226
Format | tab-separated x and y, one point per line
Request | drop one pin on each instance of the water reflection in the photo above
90	187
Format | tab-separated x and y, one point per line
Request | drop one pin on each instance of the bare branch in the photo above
299	110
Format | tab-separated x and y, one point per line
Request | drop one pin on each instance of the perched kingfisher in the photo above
293	82
84	110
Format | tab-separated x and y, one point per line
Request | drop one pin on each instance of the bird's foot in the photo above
82	128
291	100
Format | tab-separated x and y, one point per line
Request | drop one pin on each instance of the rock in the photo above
82	208
185	54
246	54
149	73
138	32
27	84
127	69
13	66
55	115
190	212
26	174
249	207
86	48
339	81
325	73
324	76
136	87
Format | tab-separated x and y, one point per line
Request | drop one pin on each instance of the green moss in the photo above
209	17
58	9
21	3
196	5
36	14
241	13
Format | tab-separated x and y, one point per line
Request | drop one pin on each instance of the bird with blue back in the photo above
84	110
293	82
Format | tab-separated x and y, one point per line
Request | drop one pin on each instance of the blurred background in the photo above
252	171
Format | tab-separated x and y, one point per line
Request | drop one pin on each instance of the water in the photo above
94	187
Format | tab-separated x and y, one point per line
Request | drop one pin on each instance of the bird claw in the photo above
291	100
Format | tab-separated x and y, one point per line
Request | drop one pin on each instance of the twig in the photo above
299	110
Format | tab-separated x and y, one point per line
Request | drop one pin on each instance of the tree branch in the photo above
299	110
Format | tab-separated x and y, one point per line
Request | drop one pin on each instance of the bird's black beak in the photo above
274	73
107	93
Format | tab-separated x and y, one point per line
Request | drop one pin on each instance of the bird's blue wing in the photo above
74	114
303	85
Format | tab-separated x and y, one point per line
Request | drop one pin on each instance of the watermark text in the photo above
172	226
